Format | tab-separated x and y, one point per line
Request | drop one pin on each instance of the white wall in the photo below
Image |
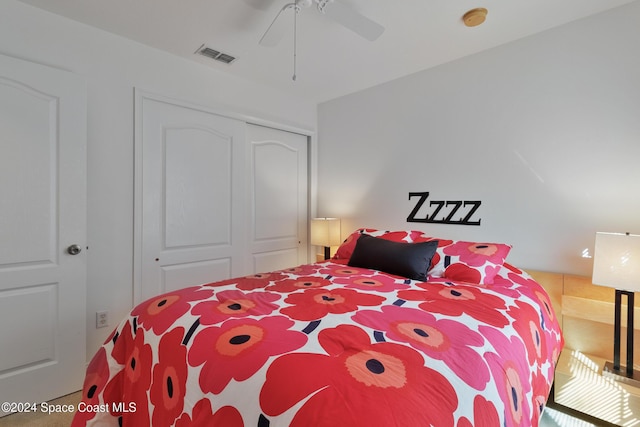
112	67
545	131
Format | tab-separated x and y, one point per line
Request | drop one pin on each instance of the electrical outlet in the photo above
102	319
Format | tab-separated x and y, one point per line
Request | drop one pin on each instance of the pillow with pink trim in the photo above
346	248
473	262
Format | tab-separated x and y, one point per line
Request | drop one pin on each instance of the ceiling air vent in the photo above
214	54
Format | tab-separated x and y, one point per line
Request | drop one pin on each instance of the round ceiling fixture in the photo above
475	17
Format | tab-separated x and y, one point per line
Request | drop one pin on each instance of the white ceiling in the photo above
331	60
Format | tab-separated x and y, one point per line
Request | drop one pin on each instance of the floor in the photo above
553	418
39	419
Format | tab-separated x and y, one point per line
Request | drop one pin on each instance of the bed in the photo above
398	329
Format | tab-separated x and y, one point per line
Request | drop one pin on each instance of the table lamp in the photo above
616	264
325	232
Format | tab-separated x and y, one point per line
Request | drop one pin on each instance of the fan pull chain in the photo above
295	37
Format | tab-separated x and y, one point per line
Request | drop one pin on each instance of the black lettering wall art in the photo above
459	212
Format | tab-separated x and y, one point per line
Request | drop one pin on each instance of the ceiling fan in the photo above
334	9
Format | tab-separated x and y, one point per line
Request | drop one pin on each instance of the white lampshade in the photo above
325	232
616	261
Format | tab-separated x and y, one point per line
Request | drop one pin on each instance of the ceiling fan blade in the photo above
277	30
353	20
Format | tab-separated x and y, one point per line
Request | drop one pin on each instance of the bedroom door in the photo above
278	198
189	173
42	232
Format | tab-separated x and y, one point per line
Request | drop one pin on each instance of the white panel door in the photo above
279	198
189	173
42	214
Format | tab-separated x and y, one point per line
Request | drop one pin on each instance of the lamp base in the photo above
621	374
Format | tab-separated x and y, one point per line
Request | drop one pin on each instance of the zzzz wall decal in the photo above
444	211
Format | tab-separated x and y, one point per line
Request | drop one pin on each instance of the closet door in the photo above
278	198
189	207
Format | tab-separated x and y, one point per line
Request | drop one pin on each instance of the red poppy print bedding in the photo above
327	344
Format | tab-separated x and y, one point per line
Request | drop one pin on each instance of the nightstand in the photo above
580	386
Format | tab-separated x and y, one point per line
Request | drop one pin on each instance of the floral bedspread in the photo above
326	344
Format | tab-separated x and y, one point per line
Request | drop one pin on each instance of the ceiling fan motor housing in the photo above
335	10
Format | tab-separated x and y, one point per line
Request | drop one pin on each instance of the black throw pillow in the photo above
411	260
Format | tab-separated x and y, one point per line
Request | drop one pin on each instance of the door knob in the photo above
74	250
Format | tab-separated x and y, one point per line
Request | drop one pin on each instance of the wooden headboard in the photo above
586	313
